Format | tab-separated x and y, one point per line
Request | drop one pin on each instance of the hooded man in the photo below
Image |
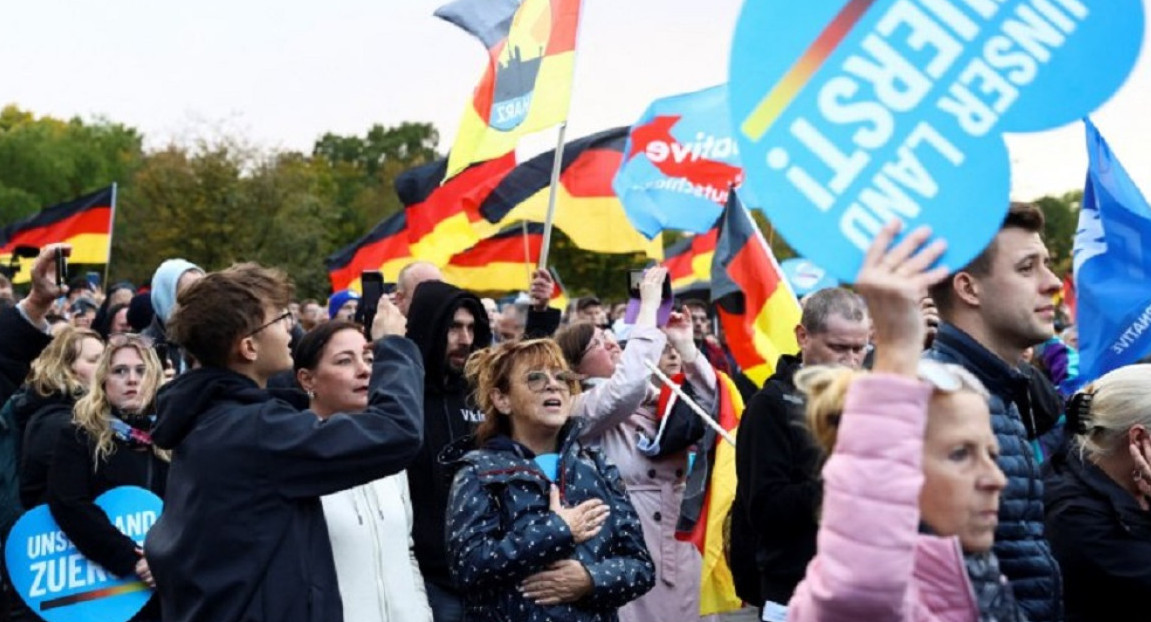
448	324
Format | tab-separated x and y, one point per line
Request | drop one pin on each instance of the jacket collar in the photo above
1105	489
1000	378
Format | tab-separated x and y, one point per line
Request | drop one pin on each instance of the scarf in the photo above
993	594
135	430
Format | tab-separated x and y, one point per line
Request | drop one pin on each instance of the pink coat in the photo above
617	410
872	564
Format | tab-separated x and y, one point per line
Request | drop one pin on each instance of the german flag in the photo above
527	84
84	222
688	261
559	299
440	217
501	263
757	310
384	248
587	209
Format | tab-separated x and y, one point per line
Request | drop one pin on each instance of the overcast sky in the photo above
283	72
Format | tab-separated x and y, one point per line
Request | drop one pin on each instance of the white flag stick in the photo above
690	402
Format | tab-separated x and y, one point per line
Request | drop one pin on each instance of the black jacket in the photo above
778	490
1024	554
74	482
1101	538
449	414
242	535
20	344
41	419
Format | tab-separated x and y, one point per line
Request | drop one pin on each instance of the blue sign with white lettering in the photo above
61	585
806	277
852	113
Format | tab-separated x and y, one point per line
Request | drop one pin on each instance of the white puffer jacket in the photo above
370	528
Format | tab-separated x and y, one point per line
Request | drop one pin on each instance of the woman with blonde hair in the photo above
1095	497
911	486
43	406
110	445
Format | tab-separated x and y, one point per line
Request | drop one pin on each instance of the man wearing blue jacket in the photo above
242	535
993	309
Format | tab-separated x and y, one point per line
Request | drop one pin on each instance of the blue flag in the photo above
1112	262
679	164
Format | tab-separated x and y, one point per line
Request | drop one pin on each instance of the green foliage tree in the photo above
44	161
1061	214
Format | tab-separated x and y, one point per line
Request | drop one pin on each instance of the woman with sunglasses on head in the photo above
911	486
370	525
43	406
539	525
109	445
1096	498
621	404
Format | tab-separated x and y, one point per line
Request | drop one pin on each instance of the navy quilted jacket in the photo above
500	530
1024	554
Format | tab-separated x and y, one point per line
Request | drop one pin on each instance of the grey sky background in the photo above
281	73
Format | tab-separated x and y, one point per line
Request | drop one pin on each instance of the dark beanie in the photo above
140	312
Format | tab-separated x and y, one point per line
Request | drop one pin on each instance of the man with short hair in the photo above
242	535
590	309
774	515
511	323
311	314
992	310
410	278
705	342
448	324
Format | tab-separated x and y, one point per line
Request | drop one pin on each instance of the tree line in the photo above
220	200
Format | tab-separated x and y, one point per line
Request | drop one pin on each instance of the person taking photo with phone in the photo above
620	405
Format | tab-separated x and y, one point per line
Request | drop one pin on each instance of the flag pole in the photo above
557	161
711	423
527	250
111	231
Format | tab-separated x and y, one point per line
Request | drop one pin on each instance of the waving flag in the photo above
384	248
84	222
440	218
681	161
587	210
559	299
1112	254
527	84
501	263
756	308
688	261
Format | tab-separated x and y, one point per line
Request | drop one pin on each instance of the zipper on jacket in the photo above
378	571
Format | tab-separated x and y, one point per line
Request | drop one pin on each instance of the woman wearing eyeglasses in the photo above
539	525
109	445
370	525
621	403
911	487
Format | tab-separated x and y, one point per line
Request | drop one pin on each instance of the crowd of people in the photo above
928	452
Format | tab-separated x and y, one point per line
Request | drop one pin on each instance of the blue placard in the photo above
679	163
61	585
806	277
549	464
852	113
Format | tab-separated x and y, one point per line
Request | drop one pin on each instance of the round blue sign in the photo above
852	113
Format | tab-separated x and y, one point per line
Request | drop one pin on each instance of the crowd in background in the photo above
929	452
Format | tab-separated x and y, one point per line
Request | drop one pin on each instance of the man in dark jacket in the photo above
448	324
992	310
242	536
777	497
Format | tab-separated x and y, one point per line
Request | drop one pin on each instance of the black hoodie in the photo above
242	535
449	414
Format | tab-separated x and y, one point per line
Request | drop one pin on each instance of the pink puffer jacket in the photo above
872	563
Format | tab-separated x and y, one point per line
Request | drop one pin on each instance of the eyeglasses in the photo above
538	381
286	316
